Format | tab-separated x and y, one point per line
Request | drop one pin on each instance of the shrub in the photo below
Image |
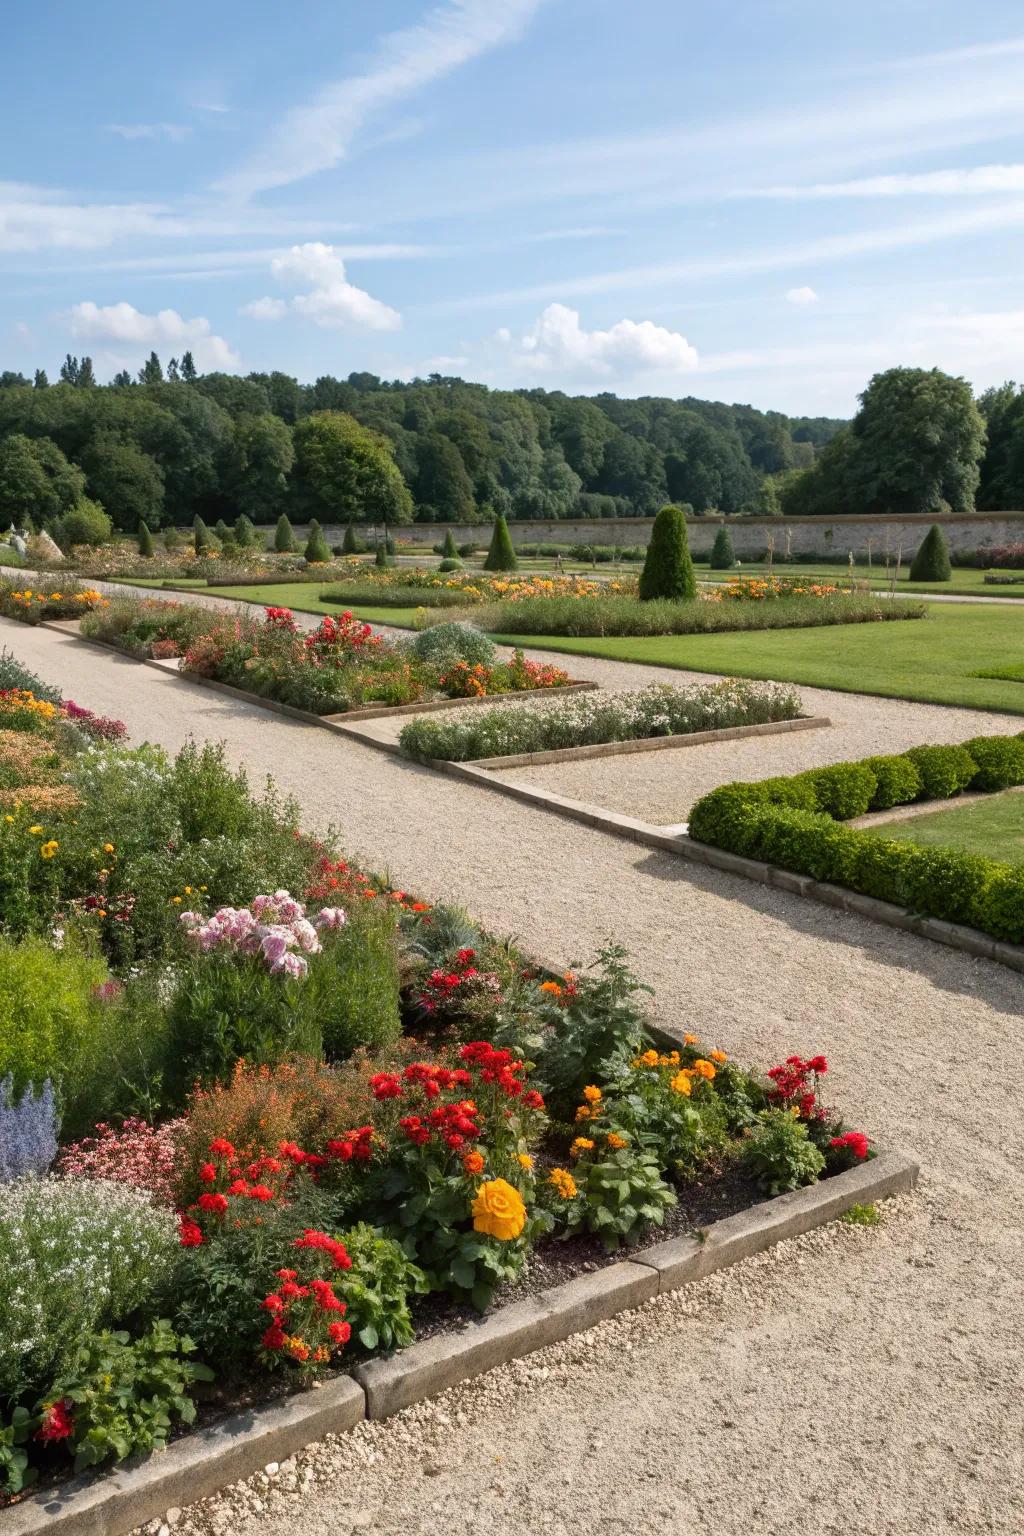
999	907
84	523
172	538
931	563
222	532
136	1154
898	781
465	550
47	1011
723	556
28	1131
443	644
668	569
620	1194
76	1256
377	1288
381	558
843	790
353	983
244	532
450	565
944	882
944	771
594	1026
284	538
202	539
147	549
780	1154
1000	761
14	675
350	544
501	555
449	549
316	551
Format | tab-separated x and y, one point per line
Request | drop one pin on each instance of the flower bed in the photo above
658	710
328	1119
796	824
416	586
31	605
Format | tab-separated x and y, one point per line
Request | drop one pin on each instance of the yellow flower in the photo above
581	1144
176	901
9	819
704	1068
718	1056
498	1210
188	890
592	1094
681	1083
615	1142
648	1059
35	831
562	1180
49	849
108	847
525	1160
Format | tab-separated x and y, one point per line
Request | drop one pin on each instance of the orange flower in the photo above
704	1068
718	1056
615	1142
473	1162
691	1039
592	1094
551	987
681	1084
581	1144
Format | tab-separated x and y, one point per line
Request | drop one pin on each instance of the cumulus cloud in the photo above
124	325
557	343
803	295
329	299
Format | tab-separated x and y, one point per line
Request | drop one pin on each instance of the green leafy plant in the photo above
123	1395
620	1195
779	1153
861	1216
1000	762
443	644
944	771
377	1288
897	781
15	1472
595	1027
668	568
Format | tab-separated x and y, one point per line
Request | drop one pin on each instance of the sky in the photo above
763	201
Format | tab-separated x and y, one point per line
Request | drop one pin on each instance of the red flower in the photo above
274	1336
58	1422
207	1173
272	1303
854	1142
189	1235
533	1100
311	1238
339	1333
213	1202
261	1192
222	1148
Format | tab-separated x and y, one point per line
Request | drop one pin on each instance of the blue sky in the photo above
757	200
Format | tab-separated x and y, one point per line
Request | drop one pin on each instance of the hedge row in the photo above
795	823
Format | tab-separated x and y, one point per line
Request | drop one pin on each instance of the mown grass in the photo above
933	662
305	598
993	827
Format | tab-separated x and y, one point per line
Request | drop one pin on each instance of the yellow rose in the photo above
498	1210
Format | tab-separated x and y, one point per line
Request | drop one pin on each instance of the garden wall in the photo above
830	537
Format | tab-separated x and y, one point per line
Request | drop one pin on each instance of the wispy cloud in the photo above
175	132
124	325
978	181
316	136
802	296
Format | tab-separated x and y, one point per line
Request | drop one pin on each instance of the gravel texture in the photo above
862	1380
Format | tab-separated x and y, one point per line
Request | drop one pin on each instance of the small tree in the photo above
668	569
501	556
316	551
723	556
449	550
222	531
201	539
146	548
381	557
172	538
245	532
84	523
349	544
931	563
284	538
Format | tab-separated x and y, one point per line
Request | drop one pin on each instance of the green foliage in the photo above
723	556
999	907
620	1196
377	1288
342	467
244	532
843	790
944	771
352	988
146	546
668	568
202	539
443	644
931	563
592	1033
919	438
449	549
14	675
317	551
501	555
621	615
15	1472
37	483
47	1011
350	544
999	760
381	557
897	781
284	538
861	1216
446	566
126	1394
222	532
780	1154
84	523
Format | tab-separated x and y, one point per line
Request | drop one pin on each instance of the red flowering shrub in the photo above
846	1151
306	1318
795	1085
338	636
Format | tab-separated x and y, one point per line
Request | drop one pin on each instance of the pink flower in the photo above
292	965
330	918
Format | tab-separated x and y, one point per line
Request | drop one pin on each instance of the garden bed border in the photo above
200	1464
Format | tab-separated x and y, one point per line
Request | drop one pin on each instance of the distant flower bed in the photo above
31	605
411	586
588	718
759	589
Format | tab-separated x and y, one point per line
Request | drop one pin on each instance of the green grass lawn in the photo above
993	827
303	596
932	660
966	582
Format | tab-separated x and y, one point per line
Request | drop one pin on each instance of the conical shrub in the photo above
244	532
723	556
145	542
931	563
668	569
284	538
501	556
349	544
316	551
201	536
449	549
381	557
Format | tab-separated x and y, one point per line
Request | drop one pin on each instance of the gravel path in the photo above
864	1380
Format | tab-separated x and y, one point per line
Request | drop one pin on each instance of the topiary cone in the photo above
668	568
501	556
931	563
723	556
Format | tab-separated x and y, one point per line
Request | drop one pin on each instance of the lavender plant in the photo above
28	1130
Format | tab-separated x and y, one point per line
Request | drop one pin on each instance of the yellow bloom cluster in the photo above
580	1145
562	1181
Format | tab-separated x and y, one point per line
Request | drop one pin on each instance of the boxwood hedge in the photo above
796	823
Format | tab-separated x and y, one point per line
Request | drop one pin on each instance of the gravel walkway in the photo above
853	1380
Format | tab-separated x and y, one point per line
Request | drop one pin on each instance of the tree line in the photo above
172	444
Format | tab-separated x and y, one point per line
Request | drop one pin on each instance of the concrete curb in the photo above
198	1465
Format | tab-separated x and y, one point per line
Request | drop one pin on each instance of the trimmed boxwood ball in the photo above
668	568
944	771
843	790
998	908
1000	761
501	556
723	556
945	883
897	781
449	565
931	563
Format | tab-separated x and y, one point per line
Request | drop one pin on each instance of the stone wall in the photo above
832	538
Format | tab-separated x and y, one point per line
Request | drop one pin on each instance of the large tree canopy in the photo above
344	471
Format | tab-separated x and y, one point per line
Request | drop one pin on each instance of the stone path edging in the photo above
199	1464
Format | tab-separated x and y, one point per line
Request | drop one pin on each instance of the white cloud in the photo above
803	295
126	325
331	300
175	132
980	181
314	137
557	343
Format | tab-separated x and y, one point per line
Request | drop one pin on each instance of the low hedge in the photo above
796	823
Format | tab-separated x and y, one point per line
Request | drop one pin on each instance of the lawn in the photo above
303	597
993	827
932	660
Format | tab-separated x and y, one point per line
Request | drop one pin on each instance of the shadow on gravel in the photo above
948	969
